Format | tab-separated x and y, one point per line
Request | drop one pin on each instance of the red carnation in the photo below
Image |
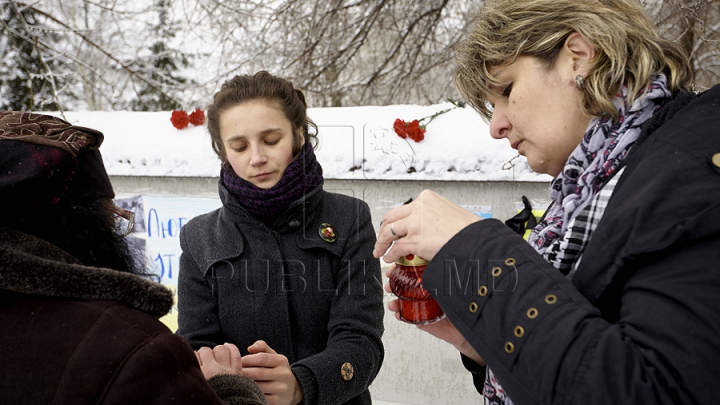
180	119
399	128
197	117
415	131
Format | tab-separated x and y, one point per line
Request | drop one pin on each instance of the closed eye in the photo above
506	91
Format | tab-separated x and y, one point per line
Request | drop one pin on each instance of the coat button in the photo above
347	371
327	233
716	159
294	223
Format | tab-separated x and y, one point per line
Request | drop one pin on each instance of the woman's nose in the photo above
499	125
257	155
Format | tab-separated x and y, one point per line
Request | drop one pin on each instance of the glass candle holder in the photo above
416	304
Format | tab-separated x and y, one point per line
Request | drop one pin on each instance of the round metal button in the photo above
473	307
496	271
532	313
716	159
509	347
551	299
519	331
347	371
483	290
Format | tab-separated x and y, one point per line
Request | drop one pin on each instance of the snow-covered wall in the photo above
356	143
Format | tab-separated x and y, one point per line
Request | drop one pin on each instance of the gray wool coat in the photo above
319	303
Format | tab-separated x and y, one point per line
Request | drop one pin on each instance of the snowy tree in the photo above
695	24
161	66
31	76
125	54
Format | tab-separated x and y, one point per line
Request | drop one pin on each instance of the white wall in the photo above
418	369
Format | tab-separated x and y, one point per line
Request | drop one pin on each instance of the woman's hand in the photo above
442	329
271	371
421	227
223	359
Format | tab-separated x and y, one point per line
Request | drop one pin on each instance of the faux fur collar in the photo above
32	266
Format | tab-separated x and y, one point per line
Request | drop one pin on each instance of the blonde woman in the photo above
615	298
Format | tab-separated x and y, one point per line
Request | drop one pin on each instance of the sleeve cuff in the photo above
477	371
307	382
237	390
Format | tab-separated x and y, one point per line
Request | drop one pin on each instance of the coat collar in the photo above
30	265
674	150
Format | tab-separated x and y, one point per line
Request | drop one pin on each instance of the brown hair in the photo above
261	86
628	49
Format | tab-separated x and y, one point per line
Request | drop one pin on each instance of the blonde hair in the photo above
628	49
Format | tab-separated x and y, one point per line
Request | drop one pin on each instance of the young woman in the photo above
614	300
283	269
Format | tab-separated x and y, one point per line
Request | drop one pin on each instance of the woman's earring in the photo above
579	82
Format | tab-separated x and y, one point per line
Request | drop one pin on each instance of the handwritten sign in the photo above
156	234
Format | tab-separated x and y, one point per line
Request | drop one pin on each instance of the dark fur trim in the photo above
32	266
237	390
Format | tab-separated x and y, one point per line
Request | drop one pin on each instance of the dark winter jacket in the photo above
315	301
640	320
73	334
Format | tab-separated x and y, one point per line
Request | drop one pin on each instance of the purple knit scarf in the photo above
302	175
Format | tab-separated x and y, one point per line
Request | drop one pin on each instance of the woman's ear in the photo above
580	51
299	140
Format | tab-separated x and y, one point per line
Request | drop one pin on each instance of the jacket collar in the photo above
30	265
659	219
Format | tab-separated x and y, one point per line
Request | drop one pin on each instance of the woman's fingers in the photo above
261	347
421	227
222	354
235	357
390	230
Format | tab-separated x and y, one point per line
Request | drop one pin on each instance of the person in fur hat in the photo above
79	317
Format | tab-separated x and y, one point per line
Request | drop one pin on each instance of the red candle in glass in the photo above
416	304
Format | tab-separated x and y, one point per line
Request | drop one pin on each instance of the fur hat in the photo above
45	160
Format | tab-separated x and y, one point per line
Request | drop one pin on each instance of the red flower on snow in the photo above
197	117
180	119
412	129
